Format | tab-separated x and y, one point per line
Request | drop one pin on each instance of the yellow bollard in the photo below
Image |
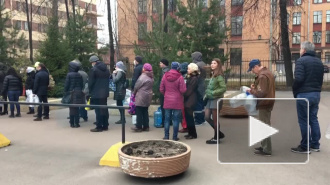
111	158
4	141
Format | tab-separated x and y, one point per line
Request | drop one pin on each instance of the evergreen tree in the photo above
12	44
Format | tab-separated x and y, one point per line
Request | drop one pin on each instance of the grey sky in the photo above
102	22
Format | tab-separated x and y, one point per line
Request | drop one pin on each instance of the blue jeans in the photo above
175	116
14	96
199	111
314	127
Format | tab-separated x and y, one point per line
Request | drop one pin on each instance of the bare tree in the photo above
67	10
29	23
112	48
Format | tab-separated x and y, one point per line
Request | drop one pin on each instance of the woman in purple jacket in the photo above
173	88
143	96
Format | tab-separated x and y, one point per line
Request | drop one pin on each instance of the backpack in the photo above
51	82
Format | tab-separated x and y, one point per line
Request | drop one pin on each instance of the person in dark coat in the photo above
82	111
190	99
138	63
40	88
74	84
13	86
308	81
143	96
184	73
163	64
119	78
199	108
30	72
4	96
98	84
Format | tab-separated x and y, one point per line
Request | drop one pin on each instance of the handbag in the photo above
67	97
112	85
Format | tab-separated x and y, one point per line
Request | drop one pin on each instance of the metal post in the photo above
122	117
240	74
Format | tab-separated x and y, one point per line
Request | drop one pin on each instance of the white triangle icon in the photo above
259	131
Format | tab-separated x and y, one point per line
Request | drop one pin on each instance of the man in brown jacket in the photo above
263	87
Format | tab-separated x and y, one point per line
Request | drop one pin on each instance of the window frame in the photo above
327	37
238	26
26	26
296	18
296	2
222	3
317	17
156	6
141	34
327	16
142	6
171	6
296	36
317	1
319	34
234	62
327	57
237	2
18	24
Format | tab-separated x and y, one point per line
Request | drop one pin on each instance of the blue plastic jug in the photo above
158	118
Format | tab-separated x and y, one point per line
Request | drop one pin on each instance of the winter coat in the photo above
190	96
74	84
173	87
308	75
197	59
264	87
216	88
119	79
12	83
143	89
30	80
41	82
2	75
98	81
84	76
136	74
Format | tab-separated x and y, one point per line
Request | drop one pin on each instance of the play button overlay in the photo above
244	134
259	131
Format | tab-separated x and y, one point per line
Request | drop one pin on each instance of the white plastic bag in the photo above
127	97
134	119
237	100
251	105
243	89
31	98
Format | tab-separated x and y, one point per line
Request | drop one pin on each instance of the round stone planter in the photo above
154	167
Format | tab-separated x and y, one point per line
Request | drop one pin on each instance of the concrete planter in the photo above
154	167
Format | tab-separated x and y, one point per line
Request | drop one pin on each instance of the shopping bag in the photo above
131	109
88	103
112	85
237	100
134	119
66	97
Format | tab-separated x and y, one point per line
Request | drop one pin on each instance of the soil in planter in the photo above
154	149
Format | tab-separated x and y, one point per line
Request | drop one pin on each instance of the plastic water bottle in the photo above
158	118
327	133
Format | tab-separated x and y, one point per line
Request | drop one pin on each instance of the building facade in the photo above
253	33
41	11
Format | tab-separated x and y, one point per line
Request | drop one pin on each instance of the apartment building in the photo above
41	10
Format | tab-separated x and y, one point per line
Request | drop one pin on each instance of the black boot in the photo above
31	110
71	121
11	115
76	122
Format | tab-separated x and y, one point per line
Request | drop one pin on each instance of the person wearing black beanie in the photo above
138	65
163	64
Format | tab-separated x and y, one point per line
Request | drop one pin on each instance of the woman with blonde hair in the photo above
215	90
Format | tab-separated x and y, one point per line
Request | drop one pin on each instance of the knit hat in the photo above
29	69
93	59
147	67
175	65
121	65
184	67
164	61
193	67
36	64
138	59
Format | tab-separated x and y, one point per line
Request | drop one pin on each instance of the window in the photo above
317	35
235	56
296	18
222	25
19	25
317	1
296	2
221	52
2	2
171	6
39	27
204	3
39	11
26	26
288	19
327	37
327	56
18	6
236	25
142	30
295	56
328	16
156	6
142	4
237	2
296	38
318	17
222	2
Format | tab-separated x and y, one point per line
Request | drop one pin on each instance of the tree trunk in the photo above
73	10
29	23
67	10
165	15
285	44
112	48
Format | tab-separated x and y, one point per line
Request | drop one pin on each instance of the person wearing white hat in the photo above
30	71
